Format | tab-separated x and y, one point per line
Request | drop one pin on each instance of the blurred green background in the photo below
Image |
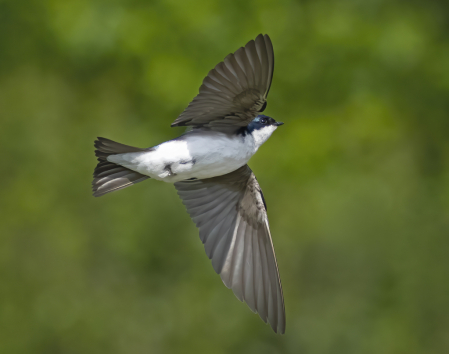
356	181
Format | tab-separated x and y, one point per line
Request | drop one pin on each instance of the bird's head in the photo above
261	128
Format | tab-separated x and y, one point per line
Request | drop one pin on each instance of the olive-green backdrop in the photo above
356	181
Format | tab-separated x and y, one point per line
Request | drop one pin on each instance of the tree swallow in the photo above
208	166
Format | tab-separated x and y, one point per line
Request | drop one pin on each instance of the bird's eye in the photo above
263	120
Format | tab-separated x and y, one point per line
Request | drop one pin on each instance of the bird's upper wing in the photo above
235	91
231	215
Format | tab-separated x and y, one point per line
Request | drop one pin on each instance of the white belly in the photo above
194	155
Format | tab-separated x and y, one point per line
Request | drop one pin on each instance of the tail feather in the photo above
108	176
106	147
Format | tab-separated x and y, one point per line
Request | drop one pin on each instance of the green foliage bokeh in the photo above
356	181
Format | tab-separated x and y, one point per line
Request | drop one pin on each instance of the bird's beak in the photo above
278	123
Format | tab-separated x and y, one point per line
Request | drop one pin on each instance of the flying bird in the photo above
208	166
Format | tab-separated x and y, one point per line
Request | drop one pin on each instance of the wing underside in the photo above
230	214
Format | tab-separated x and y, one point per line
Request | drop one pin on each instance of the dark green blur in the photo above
356	181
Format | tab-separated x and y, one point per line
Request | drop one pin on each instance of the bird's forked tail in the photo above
108	176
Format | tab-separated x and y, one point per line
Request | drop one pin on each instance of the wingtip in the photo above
279	329
262	36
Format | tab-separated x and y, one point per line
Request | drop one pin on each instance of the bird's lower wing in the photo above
231	216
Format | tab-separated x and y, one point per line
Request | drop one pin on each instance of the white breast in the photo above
193	155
